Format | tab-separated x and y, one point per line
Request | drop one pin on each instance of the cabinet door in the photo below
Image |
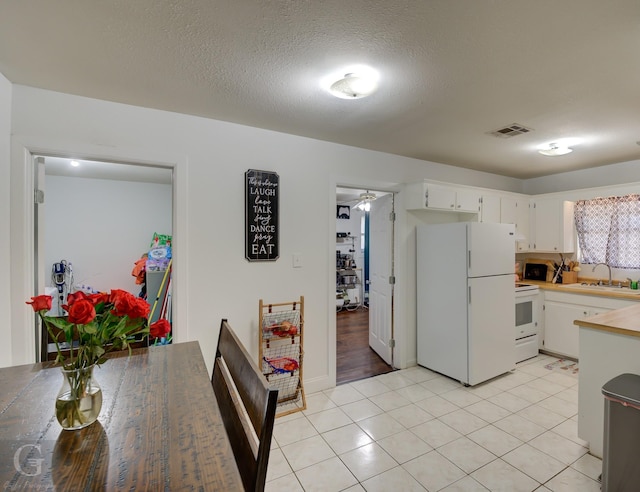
553	225
468	201
546	215
440	197
560	334
490	210
516	211
522	225
508	210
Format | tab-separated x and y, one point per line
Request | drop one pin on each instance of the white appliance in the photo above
526	321
465	315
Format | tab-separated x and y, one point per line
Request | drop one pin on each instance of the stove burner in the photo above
522	287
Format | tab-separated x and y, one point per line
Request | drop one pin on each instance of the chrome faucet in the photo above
594	269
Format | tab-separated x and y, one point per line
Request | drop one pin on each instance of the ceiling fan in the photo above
365	200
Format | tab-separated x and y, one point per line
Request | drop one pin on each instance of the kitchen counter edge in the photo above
623	321
578	290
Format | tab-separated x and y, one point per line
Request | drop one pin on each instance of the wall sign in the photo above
261	215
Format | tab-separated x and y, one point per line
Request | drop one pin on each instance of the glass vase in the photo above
79	400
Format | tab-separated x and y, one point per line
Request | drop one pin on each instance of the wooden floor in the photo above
355	359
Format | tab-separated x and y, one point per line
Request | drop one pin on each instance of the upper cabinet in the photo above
552	226
428	196
543	224
515	210
490	208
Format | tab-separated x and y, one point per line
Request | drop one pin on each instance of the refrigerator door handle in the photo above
469	260
469	294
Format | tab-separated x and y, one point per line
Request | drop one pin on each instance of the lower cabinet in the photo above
561	335
561	309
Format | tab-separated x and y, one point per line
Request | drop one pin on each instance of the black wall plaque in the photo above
261	215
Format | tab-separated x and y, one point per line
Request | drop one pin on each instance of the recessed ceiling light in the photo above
75	163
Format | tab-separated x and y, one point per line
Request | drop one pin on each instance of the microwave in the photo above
535	271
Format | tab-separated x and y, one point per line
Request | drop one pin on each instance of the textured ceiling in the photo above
450	70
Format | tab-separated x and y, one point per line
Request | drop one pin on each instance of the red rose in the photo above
98	298
139	309
125	304
81	312
160	328
74	297
40	303
116	294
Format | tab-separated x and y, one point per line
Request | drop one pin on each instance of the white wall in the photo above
614	174
103	227
5	285
211	158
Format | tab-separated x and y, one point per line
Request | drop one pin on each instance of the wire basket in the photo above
281	324
282	365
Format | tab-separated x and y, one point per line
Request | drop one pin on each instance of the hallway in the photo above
355	359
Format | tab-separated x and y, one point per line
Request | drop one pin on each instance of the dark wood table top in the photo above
159	428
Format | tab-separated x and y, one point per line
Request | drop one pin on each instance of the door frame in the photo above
22	240
400	329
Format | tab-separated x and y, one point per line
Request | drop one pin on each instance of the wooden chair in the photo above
247	406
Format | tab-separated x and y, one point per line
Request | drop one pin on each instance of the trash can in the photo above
621	447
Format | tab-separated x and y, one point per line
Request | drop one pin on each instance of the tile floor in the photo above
415	430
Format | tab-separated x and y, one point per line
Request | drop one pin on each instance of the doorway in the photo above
364	296
98	220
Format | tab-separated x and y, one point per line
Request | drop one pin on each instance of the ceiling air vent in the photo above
512	130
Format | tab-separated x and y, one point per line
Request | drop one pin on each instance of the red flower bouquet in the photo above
96	324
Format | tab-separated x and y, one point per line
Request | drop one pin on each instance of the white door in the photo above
490	329
492	248
38	236
380	270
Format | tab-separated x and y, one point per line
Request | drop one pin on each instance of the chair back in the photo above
247	406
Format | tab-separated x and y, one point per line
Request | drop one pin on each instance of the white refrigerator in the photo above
466	299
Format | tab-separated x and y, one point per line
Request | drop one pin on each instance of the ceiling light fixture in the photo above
365	201
554	150
354	86
75	163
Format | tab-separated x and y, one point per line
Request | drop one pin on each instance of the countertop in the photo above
623	293
624	321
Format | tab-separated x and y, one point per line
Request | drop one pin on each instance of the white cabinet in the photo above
560	334
562	309
468	200
553	229
429	196
515	210
490	208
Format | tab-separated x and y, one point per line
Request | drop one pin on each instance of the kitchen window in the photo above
609	230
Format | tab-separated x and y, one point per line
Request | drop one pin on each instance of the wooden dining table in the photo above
159	428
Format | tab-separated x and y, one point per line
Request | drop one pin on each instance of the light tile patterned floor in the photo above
417	430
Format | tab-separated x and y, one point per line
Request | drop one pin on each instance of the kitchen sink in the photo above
602	288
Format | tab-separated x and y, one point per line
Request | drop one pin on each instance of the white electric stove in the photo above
526	321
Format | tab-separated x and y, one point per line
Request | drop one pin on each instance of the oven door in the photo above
526	315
